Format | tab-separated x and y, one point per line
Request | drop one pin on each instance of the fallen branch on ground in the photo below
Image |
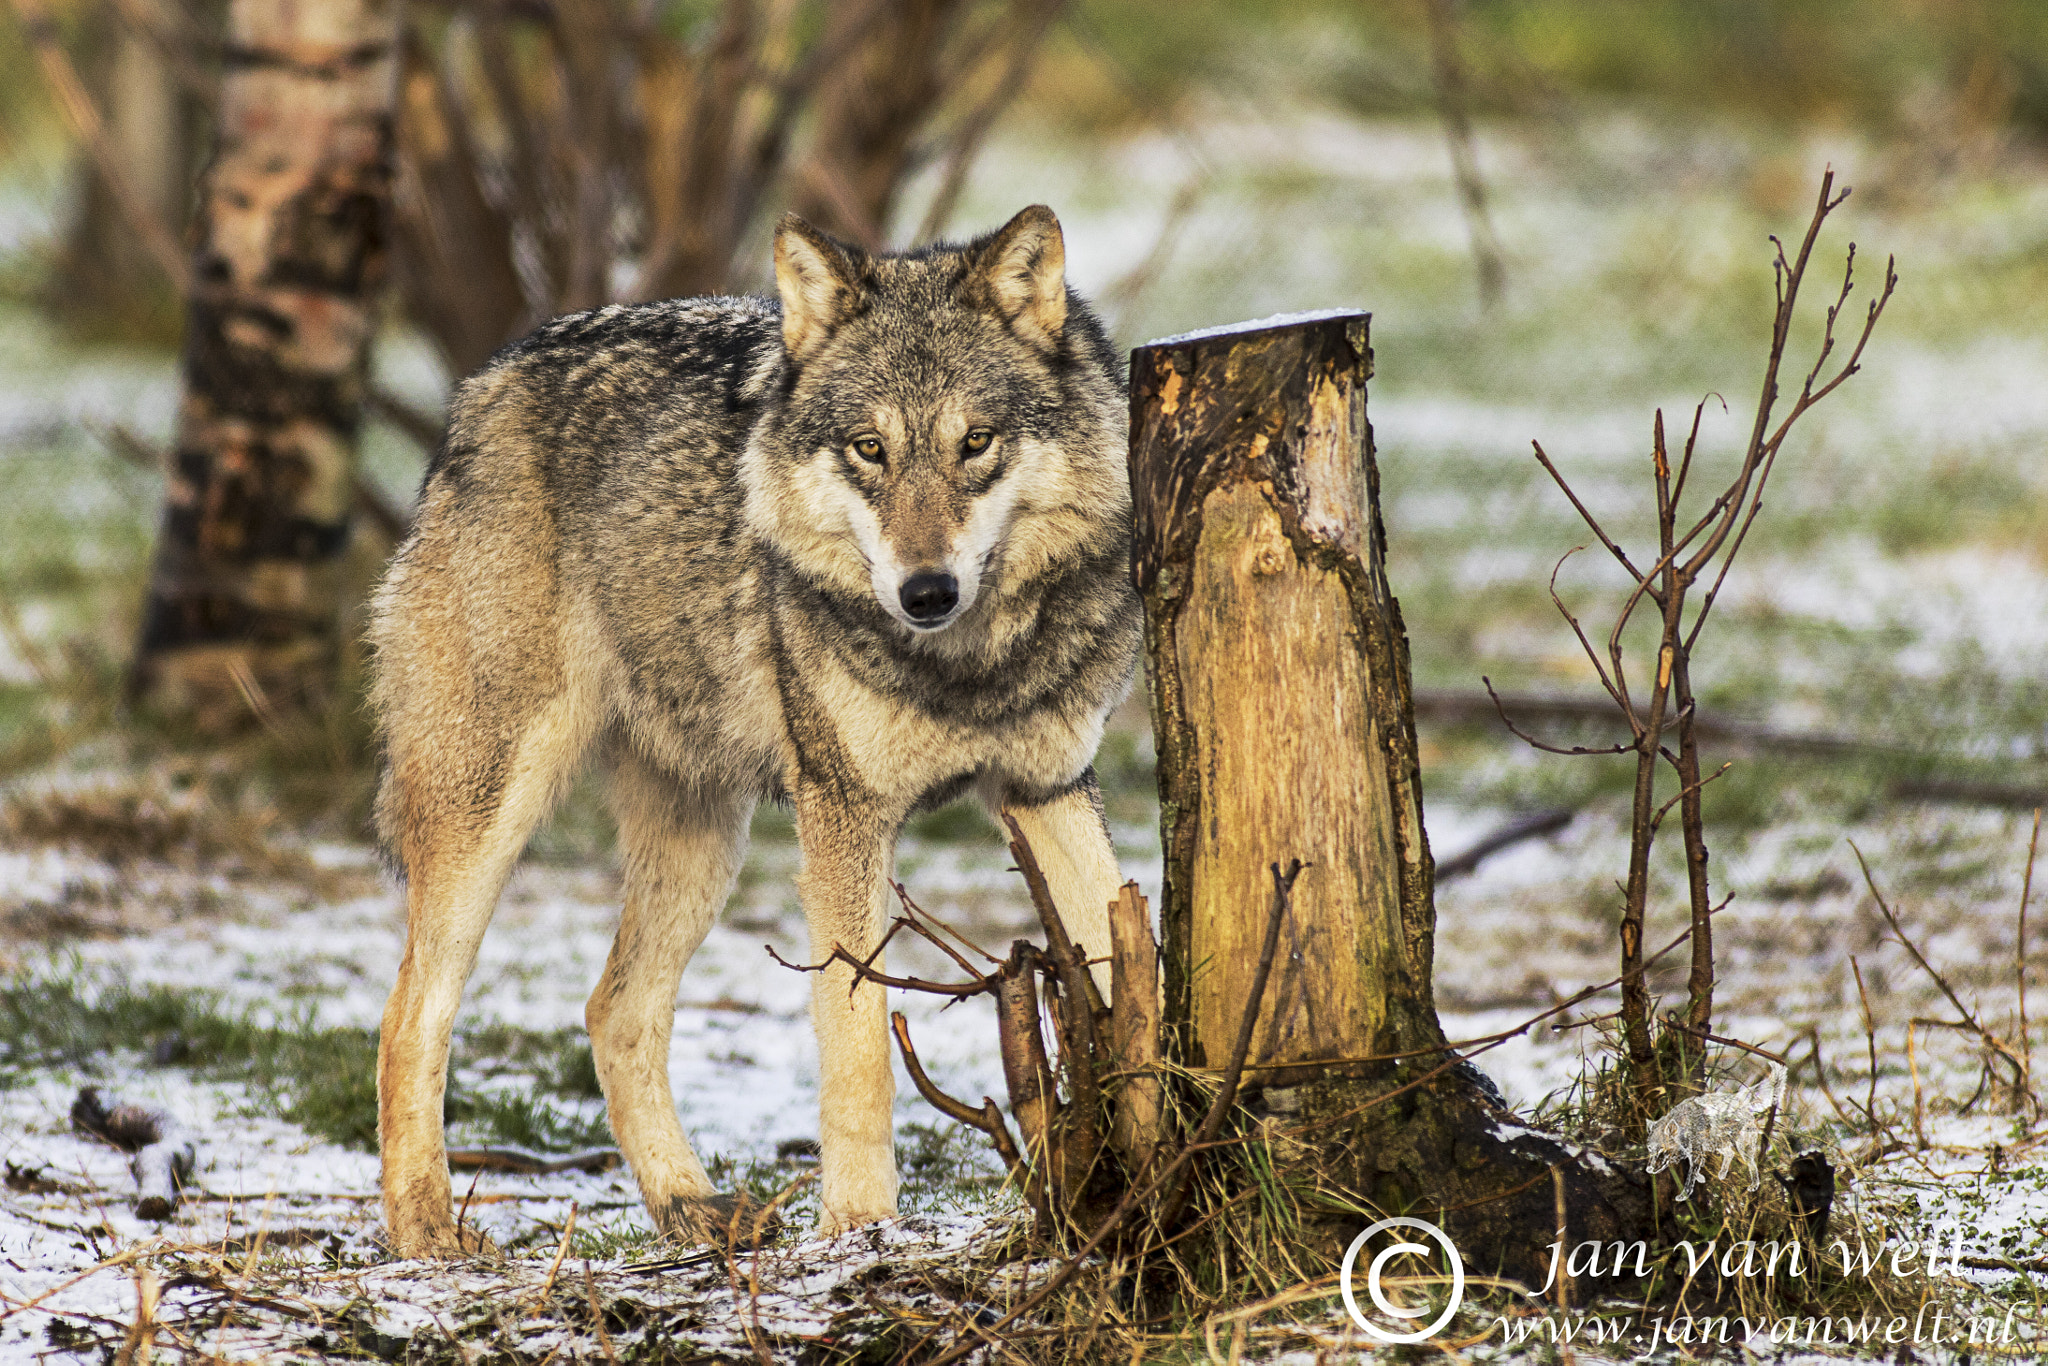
522	1163
163	1153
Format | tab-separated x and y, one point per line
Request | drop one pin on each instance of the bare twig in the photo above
1586	516
862	971
988	1119
1689	790
604	1339
522	1163
2019	952
1870	1038
1031	28
1969	1017
568	1231
1609	683
1066	959
1233	1072
1500	708
1533	826
1564	1281
916	915
82	113
136	1347
421	428
1913	1065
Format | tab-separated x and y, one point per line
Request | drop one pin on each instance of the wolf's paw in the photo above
833	1222
438	1242
735	1220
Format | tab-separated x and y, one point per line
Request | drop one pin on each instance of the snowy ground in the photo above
1515	936
1896	593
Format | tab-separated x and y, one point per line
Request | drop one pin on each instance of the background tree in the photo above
290	251
506	163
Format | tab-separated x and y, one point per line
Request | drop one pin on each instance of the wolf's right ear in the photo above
818	284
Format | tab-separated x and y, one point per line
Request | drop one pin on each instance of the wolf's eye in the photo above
869	449
977	441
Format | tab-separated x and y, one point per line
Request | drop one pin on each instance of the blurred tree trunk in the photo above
545	149
1282	702
243	612
869	113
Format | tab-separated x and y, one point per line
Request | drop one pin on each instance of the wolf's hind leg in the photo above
1070	837
460	828
682	852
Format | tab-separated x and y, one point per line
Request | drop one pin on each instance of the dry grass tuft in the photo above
140	820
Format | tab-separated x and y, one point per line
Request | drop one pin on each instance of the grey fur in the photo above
649	536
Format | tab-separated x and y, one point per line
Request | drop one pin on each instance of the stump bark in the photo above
1281	702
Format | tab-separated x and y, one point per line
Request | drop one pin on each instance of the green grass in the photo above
529	1088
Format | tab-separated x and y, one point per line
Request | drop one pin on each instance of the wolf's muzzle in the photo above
929	597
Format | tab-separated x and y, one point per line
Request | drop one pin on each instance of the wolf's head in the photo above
950	421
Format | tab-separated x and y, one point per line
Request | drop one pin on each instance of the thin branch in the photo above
1691	442
83	114
1672	1022
1533	826
1067	960
1970	1022
1448	68
967	139
1276	916
864	972
988	1119
1589	518
1684	792
1620	698
1787	280
1869	1037
1806	401
421	428
2019	949
908	920
916	911
1233	1073
1533	742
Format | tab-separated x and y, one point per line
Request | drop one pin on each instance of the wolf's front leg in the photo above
1070	837
846	852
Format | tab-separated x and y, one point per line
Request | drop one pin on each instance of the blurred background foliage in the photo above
1212	159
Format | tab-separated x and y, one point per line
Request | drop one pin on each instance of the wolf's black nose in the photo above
929	596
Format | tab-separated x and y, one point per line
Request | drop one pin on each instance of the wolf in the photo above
1725	1124
862	547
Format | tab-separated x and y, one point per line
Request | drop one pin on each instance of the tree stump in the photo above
1281	701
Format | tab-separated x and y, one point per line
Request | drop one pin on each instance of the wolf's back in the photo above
587	482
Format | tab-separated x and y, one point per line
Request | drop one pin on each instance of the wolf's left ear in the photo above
1022	274
820	287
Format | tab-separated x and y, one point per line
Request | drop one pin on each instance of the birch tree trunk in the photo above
289	255
1282	704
